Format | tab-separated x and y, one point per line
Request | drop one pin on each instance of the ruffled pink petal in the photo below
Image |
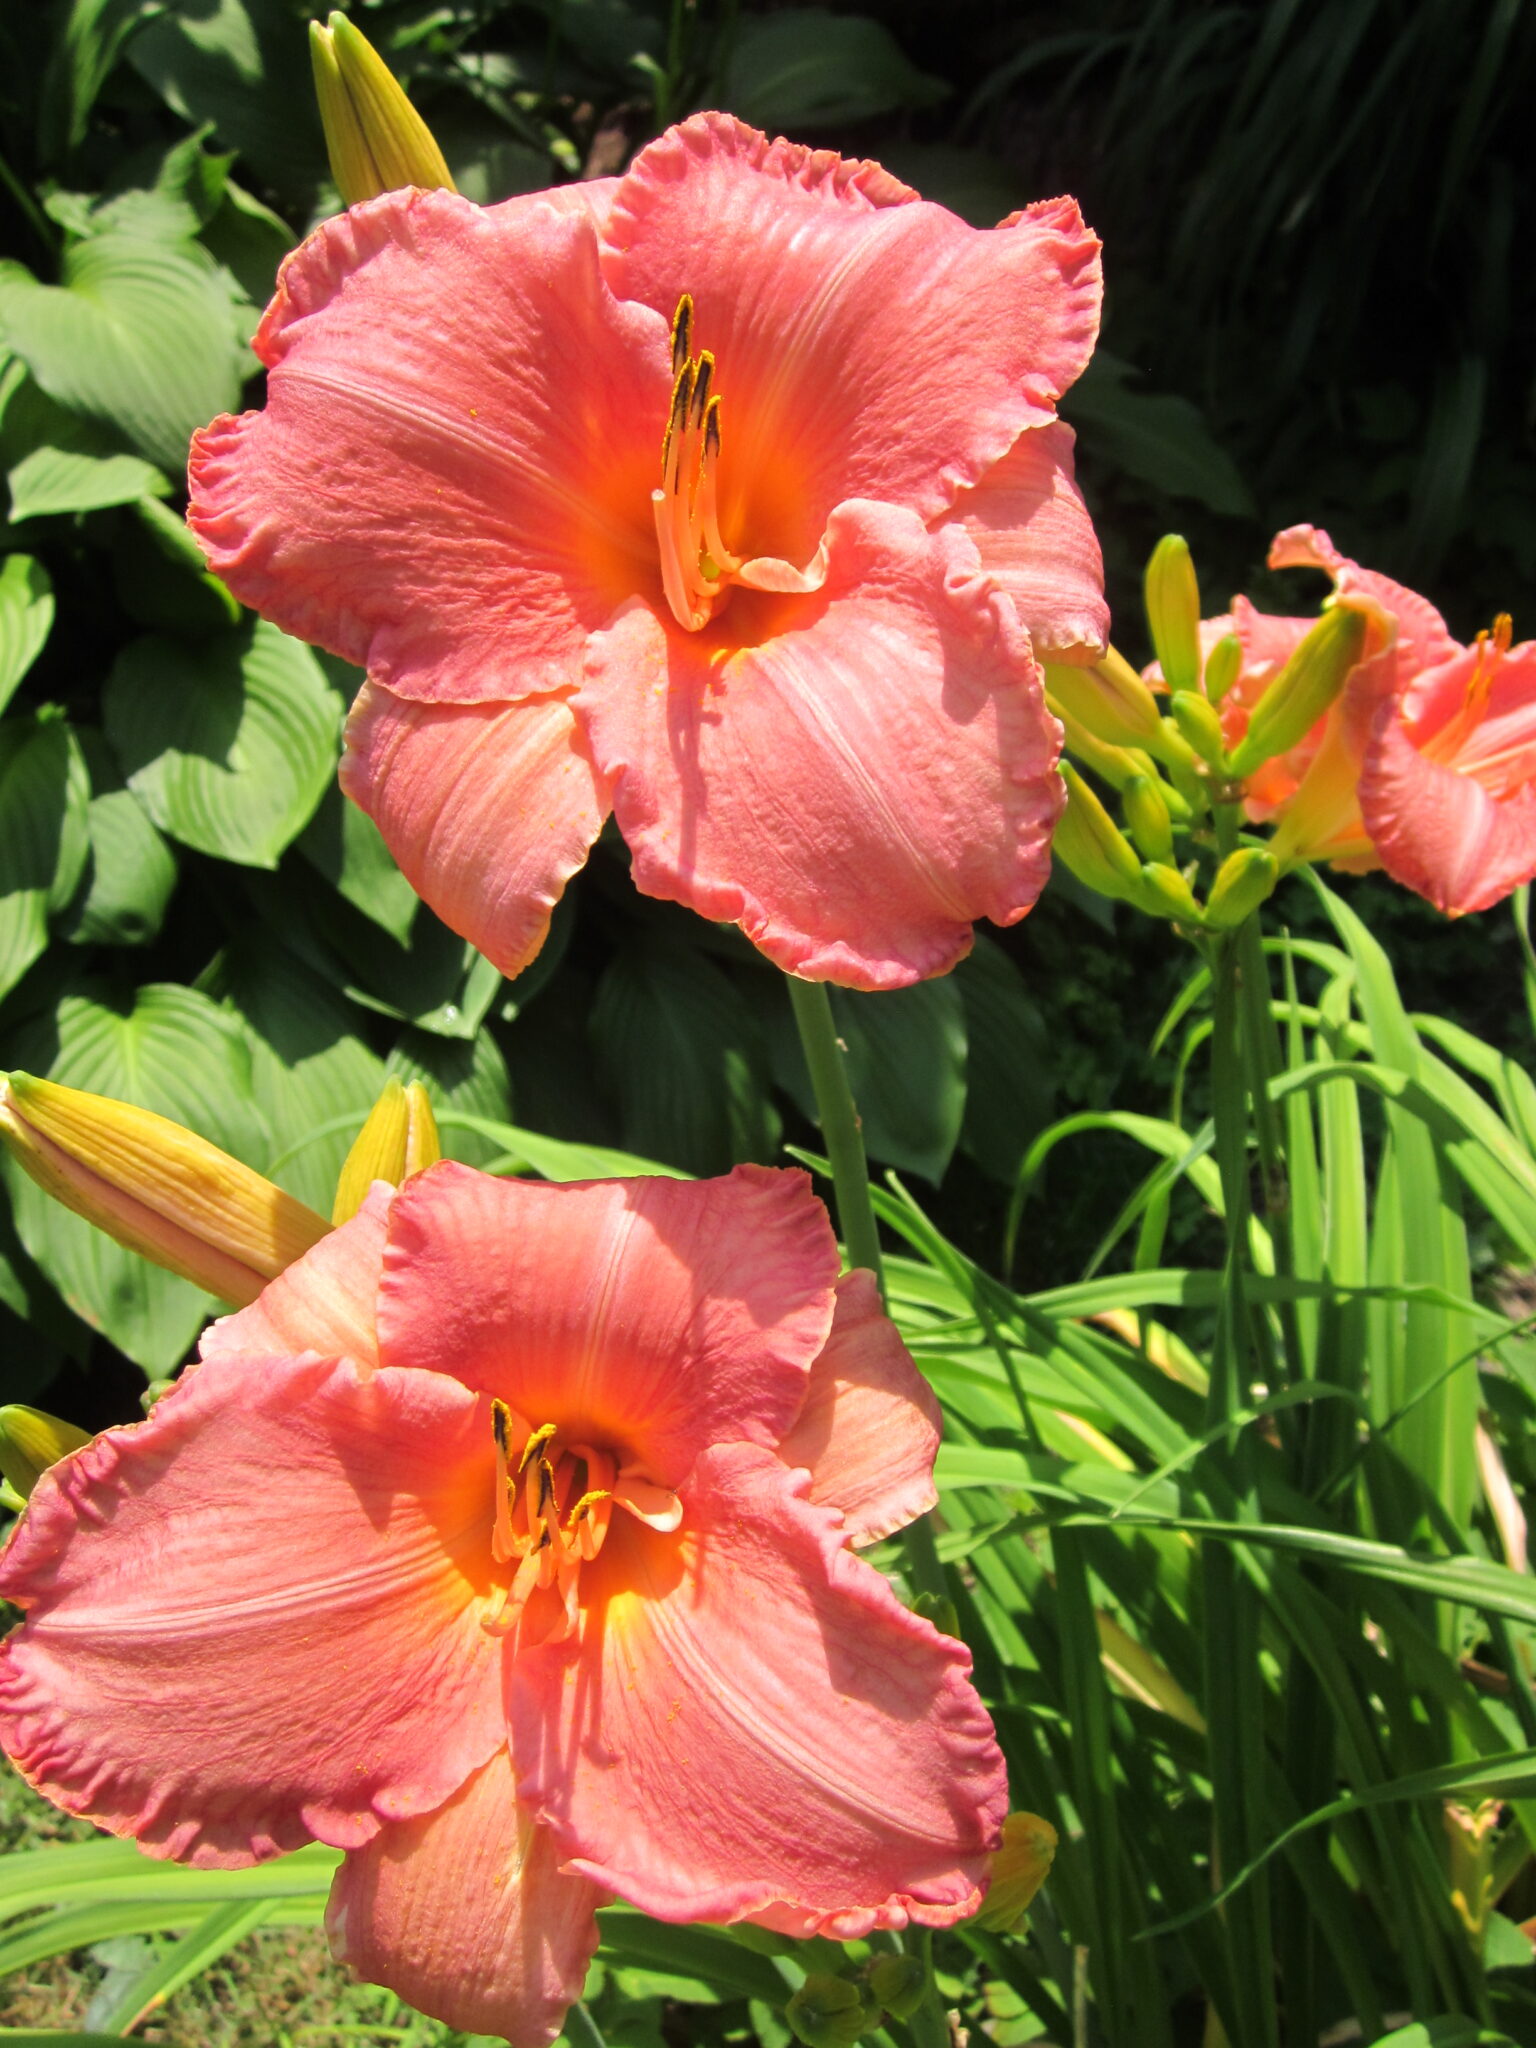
450	482
867	344
852	777
870	1425
752	1718
255	1618
1036	540
1423	638
1461	832
488	808
647	1317
466	1914
322	1303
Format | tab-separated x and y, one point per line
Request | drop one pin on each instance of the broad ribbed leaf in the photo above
344	844
54	461
139	335
131	871
43	843
228	744
26	615
168	1049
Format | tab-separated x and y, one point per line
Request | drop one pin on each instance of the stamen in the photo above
540	1436
682	332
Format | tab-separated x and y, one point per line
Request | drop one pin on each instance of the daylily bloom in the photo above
1425	765
727	496
504	1544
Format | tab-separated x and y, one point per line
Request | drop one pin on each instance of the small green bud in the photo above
1242	883
1146	812
376	140
1109	698
828	2011
1115	764
1303	690
1173	611
31	1441
1223	666
1165	893
1092	844
1198	722
898	1984
940	1610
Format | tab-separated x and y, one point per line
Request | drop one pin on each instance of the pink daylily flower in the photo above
504	1543
727	496
1426	763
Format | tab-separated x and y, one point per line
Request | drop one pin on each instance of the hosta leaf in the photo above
139	335
26	616
43	842
168	1049
227	743
1009	1084
464	1077
56	462
346	846
313	1076
160	577
802	65
906	1065
131	872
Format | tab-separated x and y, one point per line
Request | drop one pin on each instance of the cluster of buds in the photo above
1165	757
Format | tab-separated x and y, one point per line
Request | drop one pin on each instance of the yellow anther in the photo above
501	1427
1503	633
682	332
540	1436
585	1506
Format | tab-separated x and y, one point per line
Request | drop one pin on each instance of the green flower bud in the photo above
1173	611
1146	812
828	2012
30	1442
1091	844
1242	883
1198	722
376	140
1019	1868
1110	699
940	1610
1165	893
1223	666
1303	690
898	1984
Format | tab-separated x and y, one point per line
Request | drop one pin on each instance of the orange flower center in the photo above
1492	646
554	1505
696	565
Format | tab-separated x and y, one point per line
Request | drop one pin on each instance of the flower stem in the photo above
581	2029
840	1130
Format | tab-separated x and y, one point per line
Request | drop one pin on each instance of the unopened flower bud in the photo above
156	1188
1019	1868
1242	883
1199	723
940	1610
30	1442
376	140
1223	666
828	2011
1165	893
898	1984
1173	611
1110	699
398	1139
1146	812
1092	844
1303	690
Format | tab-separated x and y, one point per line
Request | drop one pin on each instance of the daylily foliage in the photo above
728	496
505	1543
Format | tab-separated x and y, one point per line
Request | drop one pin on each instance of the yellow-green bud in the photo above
1242	883
1116	764
376	140
30	1442
1303	690
1109	698
158	1189
1146	812
1019	1868
1173	611
1223	666
1198	722
828	2011
898	1984
398	1139
1165	893
1092	844
940	1610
